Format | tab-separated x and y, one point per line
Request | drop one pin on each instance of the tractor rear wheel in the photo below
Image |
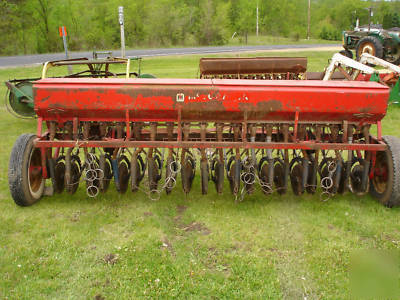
25	171
385	183
370	45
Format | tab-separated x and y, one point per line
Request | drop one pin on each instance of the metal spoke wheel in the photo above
25	171
385	182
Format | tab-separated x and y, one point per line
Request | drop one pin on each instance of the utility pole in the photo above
370	14
121	24
257	20
308	19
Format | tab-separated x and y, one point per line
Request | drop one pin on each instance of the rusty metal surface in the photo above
120	143
252	65
62	99
320	76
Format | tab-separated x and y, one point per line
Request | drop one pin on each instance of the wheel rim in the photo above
380	178
35	178
367	48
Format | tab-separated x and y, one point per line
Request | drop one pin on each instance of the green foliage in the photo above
31	26
387	20
395	20
329	32
390	20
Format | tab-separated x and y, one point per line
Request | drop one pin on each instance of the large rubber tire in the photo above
371	45
25	188
386	188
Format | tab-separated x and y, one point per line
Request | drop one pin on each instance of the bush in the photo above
329	32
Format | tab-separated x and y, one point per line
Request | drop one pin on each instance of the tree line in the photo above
31	26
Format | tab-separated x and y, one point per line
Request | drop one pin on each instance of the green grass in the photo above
253	40
201	247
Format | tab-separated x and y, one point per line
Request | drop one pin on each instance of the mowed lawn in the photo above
127	246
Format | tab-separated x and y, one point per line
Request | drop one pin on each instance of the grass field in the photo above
253	40
126	246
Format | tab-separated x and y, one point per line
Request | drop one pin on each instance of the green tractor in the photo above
375	40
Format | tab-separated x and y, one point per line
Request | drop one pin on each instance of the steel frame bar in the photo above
122	143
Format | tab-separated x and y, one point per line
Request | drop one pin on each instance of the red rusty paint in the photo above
251	65
62	99
121	143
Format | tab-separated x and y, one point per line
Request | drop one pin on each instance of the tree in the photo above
387	20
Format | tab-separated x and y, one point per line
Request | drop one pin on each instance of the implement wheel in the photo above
25	171
385	182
